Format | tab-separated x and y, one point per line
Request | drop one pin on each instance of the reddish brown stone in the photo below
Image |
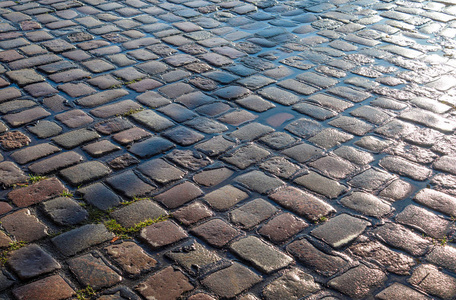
50	288
24	226
282	227
162	234
130	135
179	195
168	284
13	140
91	270
131	258
37	192
216	232
192	213
4	208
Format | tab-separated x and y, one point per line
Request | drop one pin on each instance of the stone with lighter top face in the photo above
231	281
293	285
359	281
263	256
340	230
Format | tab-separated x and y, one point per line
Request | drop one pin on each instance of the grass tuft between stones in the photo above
84	294
124	232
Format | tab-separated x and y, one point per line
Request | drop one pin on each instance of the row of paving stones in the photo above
194	80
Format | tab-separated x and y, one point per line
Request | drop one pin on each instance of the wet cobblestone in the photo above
215	149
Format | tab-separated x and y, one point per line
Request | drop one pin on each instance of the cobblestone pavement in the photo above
199	149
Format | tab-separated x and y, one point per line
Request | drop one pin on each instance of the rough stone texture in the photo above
423	220
282	227
137	212
320	184
50	288
294	284
65	211
402	238
162	234
358	282
266	119
394	262
340	230
321	262
437	200
85	172
430	279
231	281
31	261
131	257
302	203
194	258
179	195
10	174
167	284
76	240
24	226
91	270
56	162
264	257
367	204
400	291
216	232
225	197
252	213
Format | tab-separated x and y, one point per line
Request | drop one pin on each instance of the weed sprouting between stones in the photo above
124	233
84	294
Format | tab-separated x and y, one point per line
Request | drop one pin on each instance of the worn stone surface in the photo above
52	287
358	282
166	284
430	279
340	230
32	261
90	269
24	226
65	211
264	257
162	234
231	281
292	285
265	119
131	257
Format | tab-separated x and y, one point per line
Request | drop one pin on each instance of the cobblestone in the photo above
266	119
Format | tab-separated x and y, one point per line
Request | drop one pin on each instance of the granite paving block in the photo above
363	278
32	261
231	281
131	257
100	196
340	230
166	284
292	285
78	239
24	226
52	287
85	172
91	270
263	256
137	212
35	193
